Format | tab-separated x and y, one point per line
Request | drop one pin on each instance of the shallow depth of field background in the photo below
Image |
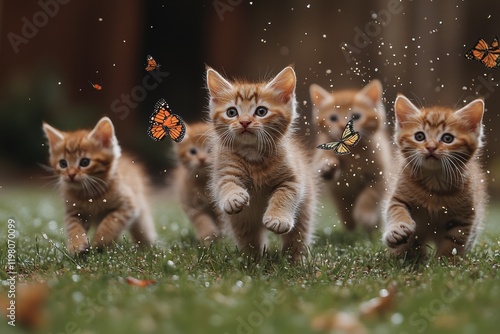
414	47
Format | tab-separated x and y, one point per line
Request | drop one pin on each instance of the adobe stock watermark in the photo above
484	88
11	271
126	102
222	6
30	28
87	310
425	315
263	310
372	29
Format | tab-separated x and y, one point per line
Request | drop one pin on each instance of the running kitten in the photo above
355	181
261	176
439	193
192	180
99	187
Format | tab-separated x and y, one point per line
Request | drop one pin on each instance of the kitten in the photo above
192	180
261	177
439	192
99	186
355	181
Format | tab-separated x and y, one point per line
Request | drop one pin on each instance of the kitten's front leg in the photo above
77	235
282	208
399	225
231	194
113	225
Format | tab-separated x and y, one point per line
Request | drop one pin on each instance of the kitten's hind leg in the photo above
205	228
456	240
249	237
112	226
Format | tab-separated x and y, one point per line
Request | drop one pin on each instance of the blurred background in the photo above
51	49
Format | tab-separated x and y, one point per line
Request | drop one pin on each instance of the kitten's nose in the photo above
72	176
431	149
245	124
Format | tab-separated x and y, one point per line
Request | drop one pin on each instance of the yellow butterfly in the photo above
349	139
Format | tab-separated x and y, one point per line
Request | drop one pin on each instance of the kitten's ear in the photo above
319	95
473	114
104	132
284	83
373	91
53	135
404	110
216	83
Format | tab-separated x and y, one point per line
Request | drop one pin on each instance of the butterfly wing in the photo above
342	149
478	51
495	45
175	127
349	136
491	60
160	112
157	132
329	146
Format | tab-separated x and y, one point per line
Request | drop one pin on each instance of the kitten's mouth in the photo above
432	156
246	131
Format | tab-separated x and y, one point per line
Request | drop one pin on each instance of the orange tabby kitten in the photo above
99	187
356	181
192	180
261	177
439	192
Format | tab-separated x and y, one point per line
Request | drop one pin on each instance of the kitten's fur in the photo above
356	181
99	186
439	192
192	180
261	175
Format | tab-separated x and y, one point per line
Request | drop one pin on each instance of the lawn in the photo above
215	290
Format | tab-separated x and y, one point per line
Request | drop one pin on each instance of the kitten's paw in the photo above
235	201
398	234
278	225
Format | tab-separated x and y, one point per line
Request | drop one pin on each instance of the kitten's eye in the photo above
419	136
231	112
334	118
193	151
63	163
447	138
84	162
356	116
261	111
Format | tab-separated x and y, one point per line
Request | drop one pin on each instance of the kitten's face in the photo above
438	138
334	110
83	159
248	114
193	151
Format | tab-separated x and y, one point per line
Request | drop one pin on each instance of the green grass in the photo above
216	290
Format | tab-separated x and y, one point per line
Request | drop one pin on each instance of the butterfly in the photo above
489	55
152	64
163	123
349	139
96	86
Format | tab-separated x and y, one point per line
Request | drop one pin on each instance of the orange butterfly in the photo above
162	122
96	86
488	55
152	65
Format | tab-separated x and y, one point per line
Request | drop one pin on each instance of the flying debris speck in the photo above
59	82
100	19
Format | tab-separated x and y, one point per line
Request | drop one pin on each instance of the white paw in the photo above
278	225
398	234
235	201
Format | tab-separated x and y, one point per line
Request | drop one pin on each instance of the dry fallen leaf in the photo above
342	322
379	305
139	282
